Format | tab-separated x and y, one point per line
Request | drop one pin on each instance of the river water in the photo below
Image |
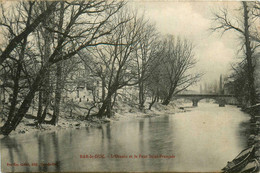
203	139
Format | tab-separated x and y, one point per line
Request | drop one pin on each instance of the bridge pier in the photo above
195	102
221	103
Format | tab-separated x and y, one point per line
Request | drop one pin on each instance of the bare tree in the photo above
246	29
17	38
59	66
237	83
76	34
19	66
145	56
154	82
115	63
177	60
45	43
17	61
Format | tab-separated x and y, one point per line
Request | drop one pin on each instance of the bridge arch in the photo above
222	100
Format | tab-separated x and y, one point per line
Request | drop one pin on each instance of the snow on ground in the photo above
122	110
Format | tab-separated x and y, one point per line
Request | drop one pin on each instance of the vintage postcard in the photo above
130	86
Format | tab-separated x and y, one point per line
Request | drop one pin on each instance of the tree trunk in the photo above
2	101
170	94
153	101
109	109
46	78
106	104
45	98
103	108
250	68
59	83
43	116
87	116
9	126
103	89
141	95
168	98
158	99
166	101
19	69
39	113
15	92
18	75
58	92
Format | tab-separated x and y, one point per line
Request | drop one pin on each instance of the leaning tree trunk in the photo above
103	108
168	99
106	103
15	92
18	74
169	96
88	114
29	28
153	101
9	126
114	100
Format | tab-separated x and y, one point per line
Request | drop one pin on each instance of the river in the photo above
202	139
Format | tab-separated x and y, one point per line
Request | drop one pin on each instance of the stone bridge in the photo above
221	99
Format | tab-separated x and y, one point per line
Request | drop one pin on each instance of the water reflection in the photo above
14	147
56	151
201	140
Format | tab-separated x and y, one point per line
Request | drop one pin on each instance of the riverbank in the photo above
254	133
253	136
77	120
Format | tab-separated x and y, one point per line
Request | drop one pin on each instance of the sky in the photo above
193	20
